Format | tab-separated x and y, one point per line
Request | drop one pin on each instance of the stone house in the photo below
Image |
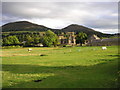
68	38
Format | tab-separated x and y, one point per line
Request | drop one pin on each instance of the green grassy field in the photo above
68	67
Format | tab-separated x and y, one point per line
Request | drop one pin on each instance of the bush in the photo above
43	55
8	47
64	45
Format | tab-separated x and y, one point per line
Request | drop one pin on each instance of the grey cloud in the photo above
95	15
104	22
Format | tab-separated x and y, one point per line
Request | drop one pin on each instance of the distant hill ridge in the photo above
28	26
23	26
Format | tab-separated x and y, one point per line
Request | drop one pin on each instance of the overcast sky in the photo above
100	16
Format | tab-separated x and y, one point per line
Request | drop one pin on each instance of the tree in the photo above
36	39
80	38
13	39
49	39
29	40
10	40
5	42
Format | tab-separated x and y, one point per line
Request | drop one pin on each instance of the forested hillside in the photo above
30	27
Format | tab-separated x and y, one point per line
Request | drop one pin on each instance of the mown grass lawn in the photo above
73	67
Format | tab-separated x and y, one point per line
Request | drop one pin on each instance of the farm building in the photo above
96	41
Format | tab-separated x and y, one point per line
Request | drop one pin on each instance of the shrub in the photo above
43	55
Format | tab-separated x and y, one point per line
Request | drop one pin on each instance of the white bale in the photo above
104	48
29	49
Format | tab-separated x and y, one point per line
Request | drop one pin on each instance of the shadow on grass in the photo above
115	56
96	76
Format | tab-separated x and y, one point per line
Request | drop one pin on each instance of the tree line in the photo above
47	39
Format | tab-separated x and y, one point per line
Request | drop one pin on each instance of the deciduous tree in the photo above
49	39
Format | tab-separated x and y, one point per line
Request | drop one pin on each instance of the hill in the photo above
79	28
23	26
28	26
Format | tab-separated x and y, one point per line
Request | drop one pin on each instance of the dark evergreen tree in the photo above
80	38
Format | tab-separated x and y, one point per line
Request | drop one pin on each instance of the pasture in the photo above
68	67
